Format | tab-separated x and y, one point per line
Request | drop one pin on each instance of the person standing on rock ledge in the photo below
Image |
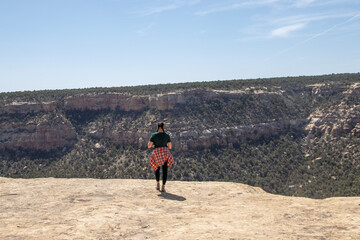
161	155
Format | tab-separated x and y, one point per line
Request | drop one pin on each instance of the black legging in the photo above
164	170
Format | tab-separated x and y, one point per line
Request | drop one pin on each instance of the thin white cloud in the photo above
354	17
174	4
286	30
144	31
309	18
330	29
192	2
222	9
235	6
303	3
332	2
282	27
160	9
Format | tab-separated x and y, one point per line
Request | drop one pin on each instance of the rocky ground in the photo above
132	209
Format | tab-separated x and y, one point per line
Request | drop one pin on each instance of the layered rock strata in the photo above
46	135
193	139
338	120
28	107
53	134
121	101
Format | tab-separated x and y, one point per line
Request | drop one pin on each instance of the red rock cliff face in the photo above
45	135
127	102
28	107
112	101
121	101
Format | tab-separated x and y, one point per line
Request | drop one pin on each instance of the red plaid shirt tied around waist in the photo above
160	156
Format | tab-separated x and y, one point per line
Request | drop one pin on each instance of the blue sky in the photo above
62	44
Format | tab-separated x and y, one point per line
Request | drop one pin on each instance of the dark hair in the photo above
160	125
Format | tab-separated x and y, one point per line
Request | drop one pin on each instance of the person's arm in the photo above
169	145
150	144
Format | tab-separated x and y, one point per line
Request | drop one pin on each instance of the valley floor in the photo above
50	208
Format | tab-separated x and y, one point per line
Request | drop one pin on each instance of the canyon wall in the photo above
340	119
44	135
54	133
50	134
121	101
194	139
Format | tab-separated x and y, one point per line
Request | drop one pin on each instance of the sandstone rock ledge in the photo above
132	209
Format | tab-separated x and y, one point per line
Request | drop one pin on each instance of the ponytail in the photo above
160	125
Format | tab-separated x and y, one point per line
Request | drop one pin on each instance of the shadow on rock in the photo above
171	196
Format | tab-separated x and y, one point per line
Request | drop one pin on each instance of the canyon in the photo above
44	134
294	136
